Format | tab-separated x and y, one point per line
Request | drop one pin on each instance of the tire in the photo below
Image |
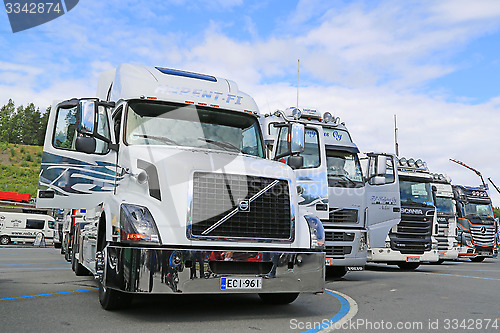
111	299
477	259
336	272
4	240
279	299
439	262
77	267
408	266
57	245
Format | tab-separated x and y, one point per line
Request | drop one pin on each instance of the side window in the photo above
51	224
65	129
390	174
34	224
117	121
65	133
311	149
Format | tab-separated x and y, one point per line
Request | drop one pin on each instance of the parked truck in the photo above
411	241
477	227
446	218
354	210
171	168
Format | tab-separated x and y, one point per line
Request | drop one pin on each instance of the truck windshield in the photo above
155	123
444	205
483	211
343	169
415	193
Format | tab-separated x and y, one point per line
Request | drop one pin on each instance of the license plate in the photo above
355	268
441	253
412	259
328	262
240	283
485	254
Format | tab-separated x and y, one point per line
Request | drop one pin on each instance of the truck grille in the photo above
339	236
227	198
345	215
338	250
443	232
413	235
483	235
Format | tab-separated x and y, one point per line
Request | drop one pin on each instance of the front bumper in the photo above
388	255
166	271
470	252
451	254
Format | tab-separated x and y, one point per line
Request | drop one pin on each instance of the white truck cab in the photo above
354	210
25	228
411	241
446	217
171	168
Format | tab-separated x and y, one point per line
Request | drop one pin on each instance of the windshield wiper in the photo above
221	144
159	138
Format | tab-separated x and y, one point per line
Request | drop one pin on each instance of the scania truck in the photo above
446	218
354	210
476	223
170	166
411	241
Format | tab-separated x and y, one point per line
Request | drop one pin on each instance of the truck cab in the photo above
170	166
446	217
354	210
477	227
411	241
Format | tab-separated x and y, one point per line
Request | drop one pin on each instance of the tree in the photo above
6	113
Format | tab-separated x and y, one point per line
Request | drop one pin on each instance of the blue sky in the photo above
436	64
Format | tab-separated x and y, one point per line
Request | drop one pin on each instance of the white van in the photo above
20	227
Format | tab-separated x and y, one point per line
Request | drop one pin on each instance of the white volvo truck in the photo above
411	241
446	218
352	208
171	168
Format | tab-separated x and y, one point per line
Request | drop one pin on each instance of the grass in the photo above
18	168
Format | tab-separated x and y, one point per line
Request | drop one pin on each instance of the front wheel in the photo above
78	268
408	266
4	240
477	259
111	299
283	298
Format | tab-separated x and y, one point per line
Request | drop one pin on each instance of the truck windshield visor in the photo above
414	193
444	206
156	123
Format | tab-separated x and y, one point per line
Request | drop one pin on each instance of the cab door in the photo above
382	200
311	178
78	167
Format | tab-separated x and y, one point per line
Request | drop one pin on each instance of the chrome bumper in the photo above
166	271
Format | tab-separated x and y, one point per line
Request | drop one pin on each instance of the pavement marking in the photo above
466	276
27	269
49	294
348	309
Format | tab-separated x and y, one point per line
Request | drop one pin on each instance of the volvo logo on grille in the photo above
483	230
244	206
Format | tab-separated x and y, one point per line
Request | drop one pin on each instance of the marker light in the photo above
327	117
296	113
411	162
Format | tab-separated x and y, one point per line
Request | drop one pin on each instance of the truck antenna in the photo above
496	187
298	75
485	186
396	144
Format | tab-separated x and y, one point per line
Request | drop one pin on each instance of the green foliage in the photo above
16	179
28	158
22	125
25	164
496	210
12	152
22	150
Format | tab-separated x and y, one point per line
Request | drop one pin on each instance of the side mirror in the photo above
85	144
297	142
381	165
87	115
296	161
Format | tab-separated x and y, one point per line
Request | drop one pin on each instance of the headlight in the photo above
468	242
137	225
362	242
316	231
434	245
